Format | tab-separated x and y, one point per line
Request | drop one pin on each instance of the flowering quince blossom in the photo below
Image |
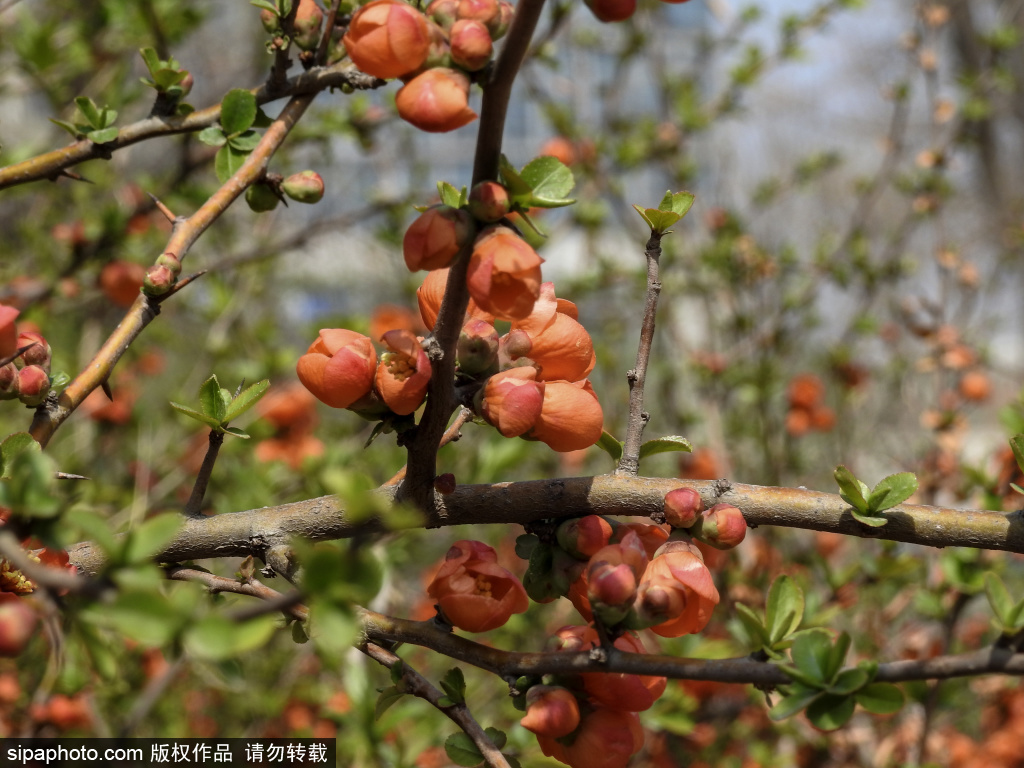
436	101
338	367
504	274
387	39
676	595
404	372
473	591
606	738
512	400
551	711
582	537
570	418
560	345
429	295
8	331
435	237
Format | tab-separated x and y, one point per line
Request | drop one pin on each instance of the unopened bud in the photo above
33	385
722	527
9	382
17	625
444	12
682	507
515	344
308	20
488	201
186	84
477	350
581	537
38	352
271	21
551	711
170	261
304	187
159	280
471	46
498	26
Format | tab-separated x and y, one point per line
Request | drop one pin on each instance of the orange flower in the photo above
504	274
403	373
290	408
121	281
551	711
560	346
722	527
606	738
473	591
8	331
676	595
805	391
387	38
338	367
651	536
429	296
512	400
436	100
570	418
436	237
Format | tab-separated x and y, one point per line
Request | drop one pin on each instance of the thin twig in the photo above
629	464
195	501
419	686
252	588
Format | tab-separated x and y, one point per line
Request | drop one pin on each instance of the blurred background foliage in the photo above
845	290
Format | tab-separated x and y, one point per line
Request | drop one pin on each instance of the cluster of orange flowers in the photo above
434	52
623	576
25	376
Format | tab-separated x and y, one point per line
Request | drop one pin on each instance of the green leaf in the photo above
1017	445
397	671
214	400
829	712
93	527
462	751
299	634
227	162
103	135
263	120
12	446
880	698
892	490
498	738
71	128
454	684
518	190
195	414
264	4
450	196
237	111
246	141
811	654
387	698
610	445
851	489
236	432
151	58
659	221
213	136
784	610
151	537
216	637
665	445
247	399
753	625
525	544
872	520
836	657
145	617
797	699
550	182
849	680
999	598
107	117
89	111
678	203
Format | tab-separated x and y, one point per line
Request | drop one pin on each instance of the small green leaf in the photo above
454	684
891	491
753	625
397	671
263	120
246	141
265	5
299	634
872	520
880	698
659	221
811	654
549	180
785	608
236	432
665	445
610	445
151	537
498	738
227	162
211	400
71	128
836	656
12	446
107	118
151	58
237	111
462	751
797	699
195	415
213	136
849	681
829	712
103	135
387	698
450	196
678	203
999	598
518	190
247	399
1017	445
851	489
525	544
89	111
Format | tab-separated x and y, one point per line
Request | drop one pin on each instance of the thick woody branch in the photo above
50	164
252	531
145	308
512	664
419	686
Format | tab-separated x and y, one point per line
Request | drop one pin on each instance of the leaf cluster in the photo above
868	504
91	122
218	406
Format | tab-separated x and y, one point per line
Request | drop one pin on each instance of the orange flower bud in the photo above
488	201
570	418
499	25
436	237
975	386
34	355
338	367
9	382
551	711
304	187
512	400
651	536
805	391
444	13
308	20
478	10
676	595
611	10
33	385
560	148
403	373
723	526
473	591
682	507
436	100
477	350
387	38
582	537
504	274
471	46
559	345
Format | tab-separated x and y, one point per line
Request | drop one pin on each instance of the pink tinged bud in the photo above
403	373
512	401
33	385
186	84
158	281
339	367
488	201
170	261
504	274
684	579
444	12
551	711
478	10
8	331
436	101
582	537
308	20
9	382
611	590
387	39
682	507
17	625
498	26
611	10
436	237
723	526
471	48
304	187
38	352
477	350
270	20
512	346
